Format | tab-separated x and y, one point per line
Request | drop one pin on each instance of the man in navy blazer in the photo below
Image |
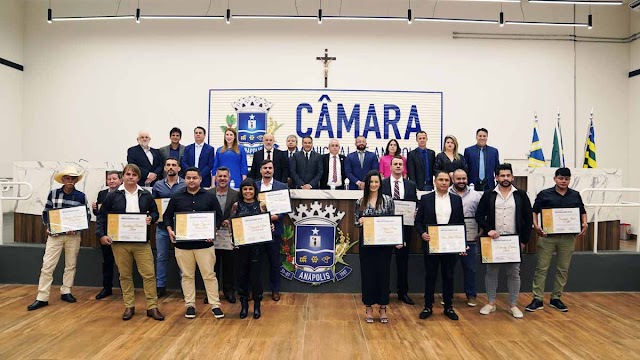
428	214
267	183
279	158
147	159
306	166
482	176
406	191
359	163
417	161
204	163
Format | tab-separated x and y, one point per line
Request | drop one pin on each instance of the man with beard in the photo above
359	163
470	200
306	166
504	211
146	158
421	162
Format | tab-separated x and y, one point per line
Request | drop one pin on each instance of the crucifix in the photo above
325	59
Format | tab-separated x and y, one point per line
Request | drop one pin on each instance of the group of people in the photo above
473	185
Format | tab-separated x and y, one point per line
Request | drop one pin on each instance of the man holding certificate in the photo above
434	210
192	218
563	216
122	223
62	235
504	211
404	194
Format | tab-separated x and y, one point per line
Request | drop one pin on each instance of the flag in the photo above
536	157
557	153
590	149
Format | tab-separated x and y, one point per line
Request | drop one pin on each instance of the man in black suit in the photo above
146	158
401	189
438	208
306	166
278	157
333	167
420	163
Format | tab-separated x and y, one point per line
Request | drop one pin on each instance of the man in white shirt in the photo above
333	167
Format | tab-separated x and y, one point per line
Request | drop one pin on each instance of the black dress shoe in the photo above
451	314
37	305
104	293
128	313
275	296
244	307
161	291
256	309
426	312
230	296
405	299
68	298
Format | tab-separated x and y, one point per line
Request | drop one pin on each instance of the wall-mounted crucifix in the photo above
325	60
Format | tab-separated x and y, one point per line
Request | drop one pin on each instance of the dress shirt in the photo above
222	198
162	189
268	154
307	155
266	187
147	152
443	208
338	174
361	157
400	186
470	200
198	148
175	153
291	153
132	199
505	212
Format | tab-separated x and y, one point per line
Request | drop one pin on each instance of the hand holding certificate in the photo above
382	230
561	221
407	209
127	227
472	229
447	239
195	226
277	201
248	230
68	219
162	206
504	249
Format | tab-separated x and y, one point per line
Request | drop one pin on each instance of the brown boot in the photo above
155	314
128	313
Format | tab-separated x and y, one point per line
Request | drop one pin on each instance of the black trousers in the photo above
249	259
375	264
273	255
226	267
446	263
108	263
402	262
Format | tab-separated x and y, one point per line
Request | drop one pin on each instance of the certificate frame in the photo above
55	217
405	221
434	234
219	243
113	221
471	219
487	253
181	226
548	221
264	195
392	231
238	232
162	203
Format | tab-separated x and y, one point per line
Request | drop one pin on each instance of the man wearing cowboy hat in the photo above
65	197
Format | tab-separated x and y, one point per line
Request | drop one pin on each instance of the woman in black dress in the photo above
449	160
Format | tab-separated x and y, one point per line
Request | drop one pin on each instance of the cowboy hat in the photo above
69	170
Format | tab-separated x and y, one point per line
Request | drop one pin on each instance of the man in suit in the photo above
279	158
174	149
200	155
268	183
421	162
359	163
483	161
292	146
401	189
225	258
333	167
438	208
146	158
306	166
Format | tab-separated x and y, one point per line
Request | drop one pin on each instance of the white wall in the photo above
633	176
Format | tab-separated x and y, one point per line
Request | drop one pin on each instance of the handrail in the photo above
5	188
2	197
614	205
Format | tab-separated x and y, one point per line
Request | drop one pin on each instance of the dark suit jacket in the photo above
416	170
324	182
102	194
491	162
355	172
116	203
280	165
232	197
305	171
164	155
410	193
278	225
205	164
427	214
486	213
136	155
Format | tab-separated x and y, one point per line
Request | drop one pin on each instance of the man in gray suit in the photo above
306	166
174	149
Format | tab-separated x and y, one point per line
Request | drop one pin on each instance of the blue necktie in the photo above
481	174
427	172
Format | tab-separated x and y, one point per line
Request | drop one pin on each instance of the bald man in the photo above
146	158
278	157
333	165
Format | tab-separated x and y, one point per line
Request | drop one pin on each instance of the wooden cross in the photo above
325	60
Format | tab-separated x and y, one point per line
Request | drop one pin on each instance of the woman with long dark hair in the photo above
392	149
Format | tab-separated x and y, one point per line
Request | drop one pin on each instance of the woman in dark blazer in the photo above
449	160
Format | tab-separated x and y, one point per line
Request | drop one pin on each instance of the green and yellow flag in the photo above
590	149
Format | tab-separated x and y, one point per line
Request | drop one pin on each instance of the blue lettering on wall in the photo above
299	119
413	117
393	122
324	122
348	123
368	126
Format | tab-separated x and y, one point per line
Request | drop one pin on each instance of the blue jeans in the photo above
162	249
469	269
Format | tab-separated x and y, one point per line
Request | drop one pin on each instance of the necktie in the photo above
396	190
361	155
481	173
290	154
427	168
268	154
307	155
335	169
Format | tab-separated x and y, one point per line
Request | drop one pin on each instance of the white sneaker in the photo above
516	312
487	309
472	301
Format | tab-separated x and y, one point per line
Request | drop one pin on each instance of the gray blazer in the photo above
164	154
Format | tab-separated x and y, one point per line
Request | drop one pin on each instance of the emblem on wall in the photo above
252	121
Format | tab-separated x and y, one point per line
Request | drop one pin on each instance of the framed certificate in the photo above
223	240
382	230
447	239
277	201
195	226
254	229
472	228
505	249
406	208
68	219
162	206
561	221
127	227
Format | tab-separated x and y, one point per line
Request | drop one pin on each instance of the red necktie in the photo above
396	190
335	170
268	154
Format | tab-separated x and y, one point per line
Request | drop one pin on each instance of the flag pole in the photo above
562	162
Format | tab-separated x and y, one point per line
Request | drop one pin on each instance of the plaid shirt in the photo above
58	199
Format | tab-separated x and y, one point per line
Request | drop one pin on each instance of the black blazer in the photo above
232	197
427	214
486	213
102	194
280	165
324	182
305	171
416	170
135	155
410	190
116	203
